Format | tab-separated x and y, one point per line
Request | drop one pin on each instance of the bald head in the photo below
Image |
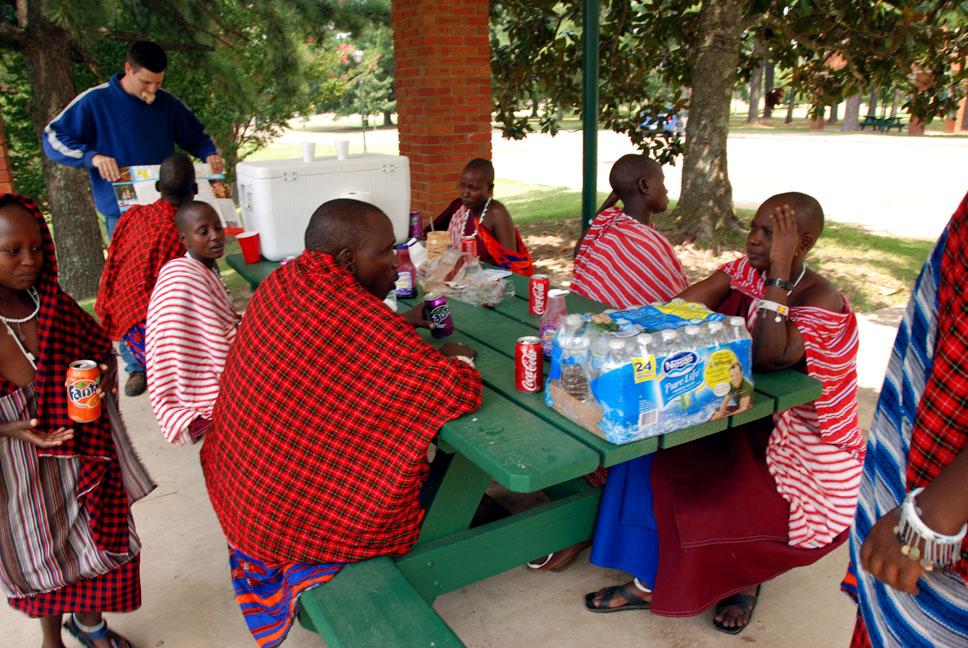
176	179
340	224
483	167
190	213
808	210
628	170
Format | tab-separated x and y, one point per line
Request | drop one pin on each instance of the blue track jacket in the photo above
107	120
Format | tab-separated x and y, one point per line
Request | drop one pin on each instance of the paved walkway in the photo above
188	601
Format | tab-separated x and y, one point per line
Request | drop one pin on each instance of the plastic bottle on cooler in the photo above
575	357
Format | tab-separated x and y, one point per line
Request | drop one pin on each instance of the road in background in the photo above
905	185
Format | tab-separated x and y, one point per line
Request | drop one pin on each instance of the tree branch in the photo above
11	33
131	37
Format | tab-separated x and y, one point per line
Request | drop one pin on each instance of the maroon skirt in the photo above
722	525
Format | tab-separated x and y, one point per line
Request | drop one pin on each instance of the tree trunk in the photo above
80	249
387	118
791	101
872	104
851	113
833	113
768	88
756	86
895	102
706	202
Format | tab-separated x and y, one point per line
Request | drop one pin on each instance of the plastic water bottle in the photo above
646	342
599	349
616	358
554	311
737	329
715	333
668	343
692	337
620	395
575	357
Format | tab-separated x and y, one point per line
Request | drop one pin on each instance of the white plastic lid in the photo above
574	321
692	330
715	326
737	321
616	344
645	339
668	334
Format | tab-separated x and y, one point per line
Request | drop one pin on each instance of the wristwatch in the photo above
781	283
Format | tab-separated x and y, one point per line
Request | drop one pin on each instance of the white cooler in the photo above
279	196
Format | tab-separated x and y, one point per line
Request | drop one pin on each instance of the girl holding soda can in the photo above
50	455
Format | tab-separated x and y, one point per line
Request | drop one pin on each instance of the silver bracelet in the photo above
938	550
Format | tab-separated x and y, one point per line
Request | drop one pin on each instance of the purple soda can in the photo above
416	225
436	310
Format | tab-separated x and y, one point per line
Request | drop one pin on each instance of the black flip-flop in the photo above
744	601
634	602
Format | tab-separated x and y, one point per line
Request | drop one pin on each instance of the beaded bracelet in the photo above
939	550
780	310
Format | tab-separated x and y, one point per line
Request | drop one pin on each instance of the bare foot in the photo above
737	616
618	597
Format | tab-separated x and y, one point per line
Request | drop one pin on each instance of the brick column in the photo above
442	55
6	172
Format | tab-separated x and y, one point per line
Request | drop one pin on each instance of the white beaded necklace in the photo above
21	339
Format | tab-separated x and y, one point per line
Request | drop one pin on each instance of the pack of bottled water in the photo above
637	373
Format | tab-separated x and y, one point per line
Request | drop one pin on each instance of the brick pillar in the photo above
6	172
442	55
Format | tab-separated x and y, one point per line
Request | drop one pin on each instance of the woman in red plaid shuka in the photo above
328	403
72	546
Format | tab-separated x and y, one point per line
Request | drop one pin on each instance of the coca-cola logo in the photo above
529	362
538	296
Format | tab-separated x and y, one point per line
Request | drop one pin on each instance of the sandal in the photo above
745	601
633	601
90	634
559	560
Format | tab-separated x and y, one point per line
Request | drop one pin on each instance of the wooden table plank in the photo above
788	388
254	273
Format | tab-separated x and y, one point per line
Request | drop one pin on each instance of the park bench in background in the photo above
882	123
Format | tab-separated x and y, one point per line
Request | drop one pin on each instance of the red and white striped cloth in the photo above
623	263
191	324
816	451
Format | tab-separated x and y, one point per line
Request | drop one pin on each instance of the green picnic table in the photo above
515	440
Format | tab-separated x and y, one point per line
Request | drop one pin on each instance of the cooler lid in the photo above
320	166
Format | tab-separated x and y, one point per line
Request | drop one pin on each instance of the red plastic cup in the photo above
249	242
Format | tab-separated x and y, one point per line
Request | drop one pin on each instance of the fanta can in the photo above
83	402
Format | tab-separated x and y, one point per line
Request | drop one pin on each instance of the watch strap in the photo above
781	283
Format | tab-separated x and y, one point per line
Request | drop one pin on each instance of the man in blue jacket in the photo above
127	121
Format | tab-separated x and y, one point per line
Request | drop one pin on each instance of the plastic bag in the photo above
460	276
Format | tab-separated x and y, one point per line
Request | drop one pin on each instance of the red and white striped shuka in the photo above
191	323
623	263
816	451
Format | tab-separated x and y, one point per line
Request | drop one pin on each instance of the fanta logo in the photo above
679	362
83	393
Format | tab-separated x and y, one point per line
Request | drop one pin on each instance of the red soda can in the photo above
83	402
436	310
468	245
538	294
528	364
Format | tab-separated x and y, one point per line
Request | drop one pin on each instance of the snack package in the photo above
643	372
460	276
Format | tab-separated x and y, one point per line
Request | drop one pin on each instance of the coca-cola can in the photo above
528	364
436	310
538	294
468	245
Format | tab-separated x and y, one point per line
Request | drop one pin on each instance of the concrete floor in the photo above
188	600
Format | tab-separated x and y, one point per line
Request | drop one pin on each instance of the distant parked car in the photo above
671	123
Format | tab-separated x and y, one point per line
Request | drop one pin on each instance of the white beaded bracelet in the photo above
938	549
776	307
466	359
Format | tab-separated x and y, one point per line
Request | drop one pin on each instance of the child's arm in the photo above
499	222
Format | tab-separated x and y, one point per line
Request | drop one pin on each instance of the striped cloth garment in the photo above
816	451
623	263
191	324
269	593
918	428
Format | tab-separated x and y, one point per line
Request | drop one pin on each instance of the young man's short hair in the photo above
145	54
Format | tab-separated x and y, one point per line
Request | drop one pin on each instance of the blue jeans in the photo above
131	364
110	222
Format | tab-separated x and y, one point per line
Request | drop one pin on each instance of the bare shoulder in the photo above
820	292
498	212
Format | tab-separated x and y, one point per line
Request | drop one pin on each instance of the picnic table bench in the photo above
515	439
882	123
